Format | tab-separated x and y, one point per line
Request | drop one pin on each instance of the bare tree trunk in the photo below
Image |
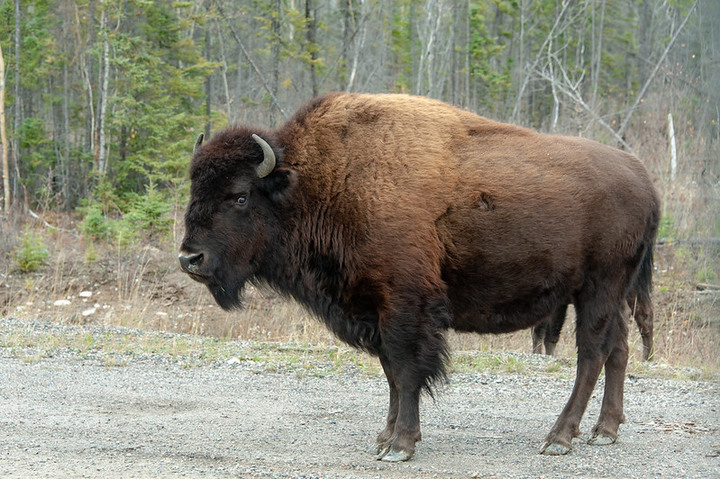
208	86
102	150
673	148
556	100
428	37
223	70
18	109
347	19
359	25
468	53
89	74
645	38
275	85
65	156
311	36
597	55
3	139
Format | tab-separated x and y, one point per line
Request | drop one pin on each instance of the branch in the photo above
570	89
38	217
252	63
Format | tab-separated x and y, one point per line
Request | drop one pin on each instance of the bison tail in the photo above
643	282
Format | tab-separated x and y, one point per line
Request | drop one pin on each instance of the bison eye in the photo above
242	199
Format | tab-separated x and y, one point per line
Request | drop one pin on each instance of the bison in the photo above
547	333
394	218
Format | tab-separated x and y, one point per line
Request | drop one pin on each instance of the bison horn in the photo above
198	142
268	164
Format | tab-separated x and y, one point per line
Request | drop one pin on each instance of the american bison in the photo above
394	218
547	332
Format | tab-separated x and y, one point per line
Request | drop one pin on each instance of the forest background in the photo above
102	99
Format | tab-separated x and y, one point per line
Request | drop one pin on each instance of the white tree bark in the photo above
102	150
673	148
3	138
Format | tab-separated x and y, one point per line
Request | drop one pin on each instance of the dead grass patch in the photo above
142	287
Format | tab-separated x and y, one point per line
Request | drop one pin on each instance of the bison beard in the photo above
394	218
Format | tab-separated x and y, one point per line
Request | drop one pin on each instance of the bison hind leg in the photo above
602	341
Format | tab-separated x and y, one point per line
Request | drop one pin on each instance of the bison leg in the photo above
611	411
538	335
547	332
412	354
552	336
402	430
383	439
597	340
567	426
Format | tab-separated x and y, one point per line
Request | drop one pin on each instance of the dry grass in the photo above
141	287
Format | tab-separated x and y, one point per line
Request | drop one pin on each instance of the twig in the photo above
571	91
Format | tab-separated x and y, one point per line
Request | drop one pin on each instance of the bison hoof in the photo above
393	456
377	448
601	440
552	449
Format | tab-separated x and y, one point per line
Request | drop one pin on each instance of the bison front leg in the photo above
412	355
396	442
385	436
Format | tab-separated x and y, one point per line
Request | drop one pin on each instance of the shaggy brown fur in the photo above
395	217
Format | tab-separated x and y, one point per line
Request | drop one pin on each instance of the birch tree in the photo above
101	152
3	139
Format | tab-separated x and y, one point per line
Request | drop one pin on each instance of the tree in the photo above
124	86
3	139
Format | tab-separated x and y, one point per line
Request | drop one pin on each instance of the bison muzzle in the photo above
394	218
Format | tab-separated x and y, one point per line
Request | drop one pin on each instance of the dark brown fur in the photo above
547	332
395	217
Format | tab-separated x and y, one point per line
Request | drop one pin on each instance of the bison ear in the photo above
280	184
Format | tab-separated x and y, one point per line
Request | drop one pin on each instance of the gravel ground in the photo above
84	413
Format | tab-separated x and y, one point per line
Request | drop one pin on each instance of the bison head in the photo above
237	194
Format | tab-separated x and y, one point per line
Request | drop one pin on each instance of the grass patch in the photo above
141	288
119	347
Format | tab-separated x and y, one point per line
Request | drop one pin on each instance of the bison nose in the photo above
190	262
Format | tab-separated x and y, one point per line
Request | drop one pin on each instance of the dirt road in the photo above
79	414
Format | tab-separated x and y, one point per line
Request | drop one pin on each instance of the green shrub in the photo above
95	224
90	254
31	254
149	213
125	232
